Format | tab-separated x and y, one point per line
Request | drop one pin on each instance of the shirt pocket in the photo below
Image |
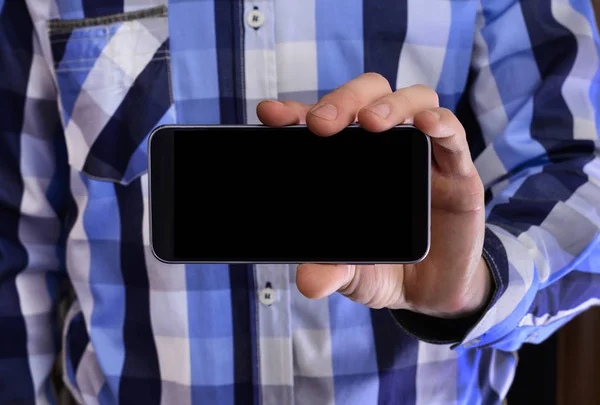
114	87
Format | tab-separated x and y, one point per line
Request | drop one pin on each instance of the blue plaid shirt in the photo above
83	82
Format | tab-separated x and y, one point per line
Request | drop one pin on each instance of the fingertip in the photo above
326	119
268	104
432	116
272	112
320	126
373	122
428	121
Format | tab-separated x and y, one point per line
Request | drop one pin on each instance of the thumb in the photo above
317	281
379	286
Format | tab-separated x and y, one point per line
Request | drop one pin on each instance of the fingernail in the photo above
274	101
326	111
435	114
382	109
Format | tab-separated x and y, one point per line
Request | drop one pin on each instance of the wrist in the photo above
451	326
469	300
479	291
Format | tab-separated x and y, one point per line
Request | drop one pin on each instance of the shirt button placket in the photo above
274	329
260	63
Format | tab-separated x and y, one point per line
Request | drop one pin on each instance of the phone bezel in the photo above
161	139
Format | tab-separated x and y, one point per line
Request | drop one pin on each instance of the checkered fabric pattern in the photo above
83	82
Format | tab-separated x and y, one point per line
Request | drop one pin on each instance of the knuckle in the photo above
474	187
373	76
349	97
451	119
429	93
420	86
445	112
377	78
405	99
357	92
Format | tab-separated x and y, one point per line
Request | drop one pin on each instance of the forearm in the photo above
540	169
548	273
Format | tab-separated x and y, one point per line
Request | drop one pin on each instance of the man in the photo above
507	90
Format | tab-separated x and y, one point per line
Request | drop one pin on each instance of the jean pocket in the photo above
114	85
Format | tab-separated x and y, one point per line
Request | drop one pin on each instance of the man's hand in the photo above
453	280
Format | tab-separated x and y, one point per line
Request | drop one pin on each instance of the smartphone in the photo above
259	194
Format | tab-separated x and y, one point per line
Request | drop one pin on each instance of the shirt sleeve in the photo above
33	184
533	94
543	220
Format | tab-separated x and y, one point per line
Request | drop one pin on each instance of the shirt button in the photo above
267	296
255	18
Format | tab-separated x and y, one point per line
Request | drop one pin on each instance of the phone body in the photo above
259	194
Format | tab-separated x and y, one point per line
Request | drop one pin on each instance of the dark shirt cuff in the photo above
445	331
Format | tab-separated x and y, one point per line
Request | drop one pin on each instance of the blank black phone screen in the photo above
261	194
